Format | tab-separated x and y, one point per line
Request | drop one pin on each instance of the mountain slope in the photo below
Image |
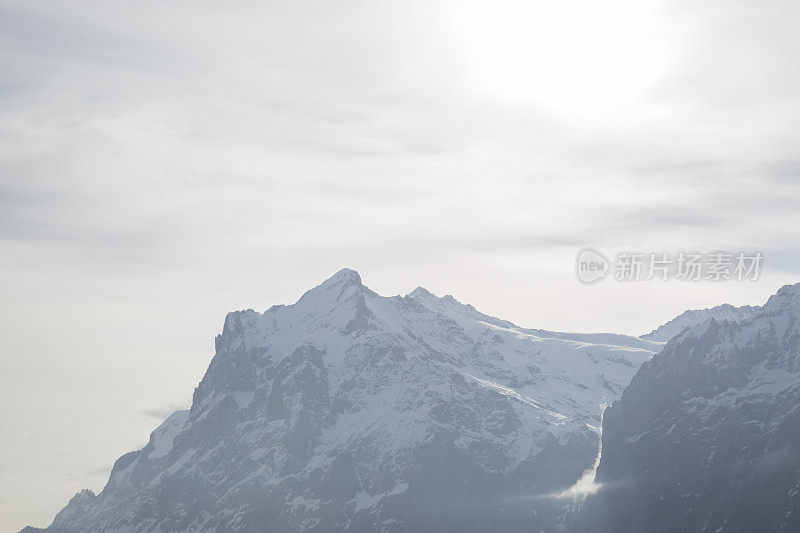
707	435
353	411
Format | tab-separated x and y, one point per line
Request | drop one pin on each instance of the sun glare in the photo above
574	57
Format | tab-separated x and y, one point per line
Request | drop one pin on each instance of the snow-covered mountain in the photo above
707	435
352	411
696	317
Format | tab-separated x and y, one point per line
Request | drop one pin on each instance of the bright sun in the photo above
575	57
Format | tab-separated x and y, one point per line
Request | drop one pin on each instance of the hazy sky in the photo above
162	163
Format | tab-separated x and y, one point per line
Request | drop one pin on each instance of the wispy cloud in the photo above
163	411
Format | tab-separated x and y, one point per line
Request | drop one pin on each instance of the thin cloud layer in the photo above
161	164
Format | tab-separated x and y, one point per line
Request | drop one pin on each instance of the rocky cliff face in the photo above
707	435
349	411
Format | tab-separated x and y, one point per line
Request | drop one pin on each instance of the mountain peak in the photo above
420	292
345	281
327	392
345	276
787	297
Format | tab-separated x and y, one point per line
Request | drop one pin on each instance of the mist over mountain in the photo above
351	411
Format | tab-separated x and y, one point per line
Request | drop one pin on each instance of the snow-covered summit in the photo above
349	410
776	319
344	280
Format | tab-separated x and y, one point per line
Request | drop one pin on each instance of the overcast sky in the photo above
163	163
